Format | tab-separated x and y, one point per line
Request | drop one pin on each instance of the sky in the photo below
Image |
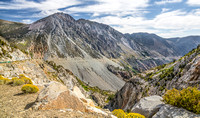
166	18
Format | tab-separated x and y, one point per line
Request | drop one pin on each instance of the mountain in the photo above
179	74
87	48
185	44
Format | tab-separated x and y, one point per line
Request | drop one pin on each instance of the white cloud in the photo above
167	1
193	2
46	7
27	21
112	7
165	10
167	24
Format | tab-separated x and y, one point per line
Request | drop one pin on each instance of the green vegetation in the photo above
26	79
29	88
167	74
161	66
134	115
188	98
94	89
2	42
4	80
121	114
17	82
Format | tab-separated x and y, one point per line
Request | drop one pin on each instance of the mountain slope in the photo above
185	44
87	47
179	74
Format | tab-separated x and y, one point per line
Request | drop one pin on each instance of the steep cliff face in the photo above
179	74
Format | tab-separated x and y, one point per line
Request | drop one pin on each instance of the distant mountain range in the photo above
80	44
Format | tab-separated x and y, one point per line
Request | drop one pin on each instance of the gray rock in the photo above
148	106
168	111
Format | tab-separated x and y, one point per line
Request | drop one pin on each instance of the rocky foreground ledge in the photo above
153	107
15	104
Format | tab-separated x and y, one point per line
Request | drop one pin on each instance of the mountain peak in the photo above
60	16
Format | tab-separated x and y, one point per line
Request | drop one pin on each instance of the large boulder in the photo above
79	94
148	106
57	96
168	111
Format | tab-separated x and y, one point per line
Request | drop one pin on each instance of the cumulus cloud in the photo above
171	22
167	1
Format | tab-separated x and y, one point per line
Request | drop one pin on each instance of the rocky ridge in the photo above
179	74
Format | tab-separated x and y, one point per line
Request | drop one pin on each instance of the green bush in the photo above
29	88
167	74
134	115
26	80
119	113
4	80
188	98
17	82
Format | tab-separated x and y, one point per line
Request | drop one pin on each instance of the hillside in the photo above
178	74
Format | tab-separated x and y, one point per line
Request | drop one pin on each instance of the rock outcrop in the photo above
148	106
57	96
129	94
178	74
168	111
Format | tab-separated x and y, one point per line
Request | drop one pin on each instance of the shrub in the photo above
188	98
119	113
17	82
8	81
26	80
167	73
134	115
21	75
4	80
29	88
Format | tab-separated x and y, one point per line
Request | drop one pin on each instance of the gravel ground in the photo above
14	104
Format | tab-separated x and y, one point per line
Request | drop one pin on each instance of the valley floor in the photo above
16	105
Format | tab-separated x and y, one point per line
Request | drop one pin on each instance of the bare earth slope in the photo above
16	105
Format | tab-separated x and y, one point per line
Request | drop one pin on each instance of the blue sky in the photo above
167	18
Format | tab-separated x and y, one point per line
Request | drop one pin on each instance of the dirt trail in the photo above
14	104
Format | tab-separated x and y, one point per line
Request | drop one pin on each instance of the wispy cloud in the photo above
27	21
112	7
45	7
193	2
167	1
